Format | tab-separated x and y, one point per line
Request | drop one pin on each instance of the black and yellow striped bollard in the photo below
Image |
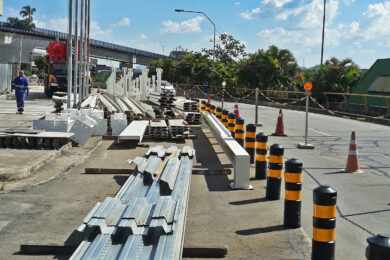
261	156
218	113
202	106
293	179
250	141
212	109
231	123
225	118
239	131
207	107
324	223
274	176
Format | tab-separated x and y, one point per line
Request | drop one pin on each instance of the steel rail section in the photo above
140	222
236	153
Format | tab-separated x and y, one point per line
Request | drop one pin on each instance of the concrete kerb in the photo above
32	170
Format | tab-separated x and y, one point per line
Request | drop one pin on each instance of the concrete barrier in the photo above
236	153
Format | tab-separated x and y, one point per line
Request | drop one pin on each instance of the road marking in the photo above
319	132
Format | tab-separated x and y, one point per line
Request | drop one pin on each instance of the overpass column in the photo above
159	78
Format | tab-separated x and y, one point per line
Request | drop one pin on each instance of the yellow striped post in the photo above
218	113
231	123
239	131
250	141
225	118
261	156
275	168
324	223
293	179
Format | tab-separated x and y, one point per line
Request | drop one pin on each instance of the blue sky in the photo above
358	29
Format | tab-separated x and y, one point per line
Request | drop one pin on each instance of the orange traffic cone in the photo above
236	111
279	131
353	161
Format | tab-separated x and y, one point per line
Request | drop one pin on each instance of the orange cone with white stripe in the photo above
236	111
353	161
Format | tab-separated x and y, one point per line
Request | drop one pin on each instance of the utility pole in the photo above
223	93
76	54
323	34
70	55
257	106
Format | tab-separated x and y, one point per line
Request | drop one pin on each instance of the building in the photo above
372	93
376	80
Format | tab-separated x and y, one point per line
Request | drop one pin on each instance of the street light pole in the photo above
323	34
208	18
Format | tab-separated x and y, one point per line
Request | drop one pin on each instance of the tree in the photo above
228	49
25	24
270	69
27	13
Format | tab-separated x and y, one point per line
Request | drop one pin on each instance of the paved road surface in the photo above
35	107
364	198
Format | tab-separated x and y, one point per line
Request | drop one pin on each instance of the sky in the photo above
357	29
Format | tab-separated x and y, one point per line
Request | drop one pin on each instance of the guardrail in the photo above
236	153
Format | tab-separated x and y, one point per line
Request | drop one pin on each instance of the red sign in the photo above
308	86
56	51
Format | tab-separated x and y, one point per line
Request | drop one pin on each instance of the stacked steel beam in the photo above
158	129
190	109
165	103
146	219
177	128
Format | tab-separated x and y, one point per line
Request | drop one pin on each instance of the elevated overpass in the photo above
39	38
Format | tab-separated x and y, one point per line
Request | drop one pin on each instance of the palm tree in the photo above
27	12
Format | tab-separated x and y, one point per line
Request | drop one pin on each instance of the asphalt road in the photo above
363	198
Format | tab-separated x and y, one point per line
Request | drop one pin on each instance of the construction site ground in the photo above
47	207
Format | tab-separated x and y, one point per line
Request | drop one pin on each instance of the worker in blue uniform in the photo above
20	85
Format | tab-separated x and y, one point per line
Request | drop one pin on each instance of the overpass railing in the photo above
51	34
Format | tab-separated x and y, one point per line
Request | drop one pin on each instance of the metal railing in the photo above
51	34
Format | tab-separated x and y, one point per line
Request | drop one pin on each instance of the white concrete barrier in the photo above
236	153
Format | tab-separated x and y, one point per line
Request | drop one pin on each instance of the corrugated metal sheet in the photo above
143	221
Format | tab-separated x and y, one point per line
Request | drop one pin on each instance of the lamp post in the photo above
323	33
207	17
223	93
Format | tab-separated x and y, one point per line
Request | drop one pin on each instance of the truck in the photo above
56	78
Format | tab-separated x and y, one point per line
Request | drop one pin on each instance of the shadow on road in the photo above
246	202
207	158
256	231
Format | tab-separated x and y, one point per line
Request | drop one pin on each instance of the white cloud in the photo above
98	32
250	14
190	25
57	24
143	36
124	22
237	3
276	3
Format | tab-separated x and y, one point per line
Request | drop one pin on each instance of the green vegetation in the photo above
270	69
27	23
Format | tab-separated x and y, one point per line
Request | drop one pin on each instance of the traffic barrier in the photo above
378	247
261	156
239	131
236	153
293	178
250	141
225	118
218	113
236	111
279	131
324	223
231	123
274	177
353	161
212	109
208	107
202	106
